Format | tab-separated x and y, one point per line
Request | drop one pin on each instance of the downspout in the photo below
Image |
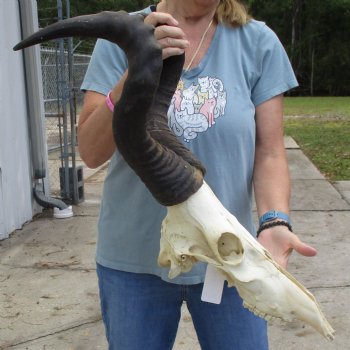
34	93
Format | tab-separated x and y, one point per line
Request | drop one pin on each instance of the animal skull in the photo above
201	229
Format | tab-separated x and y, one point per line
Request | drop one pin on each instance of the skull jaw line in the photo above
201	229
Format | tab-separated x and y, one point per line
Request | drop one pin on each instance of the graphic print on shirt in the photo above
195	108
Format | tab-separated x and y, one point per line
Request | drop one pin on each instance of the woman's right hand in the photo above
169	35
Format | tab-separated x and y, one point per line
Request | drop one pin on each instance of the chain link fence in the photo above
55	80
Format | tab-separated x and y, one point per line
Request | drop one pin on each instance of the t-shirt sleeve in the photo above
108	63
274	74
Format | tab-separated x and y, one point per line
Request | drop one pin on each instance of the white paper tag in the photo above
213	285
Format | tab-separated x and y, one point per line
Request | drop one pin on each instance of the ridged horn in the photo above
168	169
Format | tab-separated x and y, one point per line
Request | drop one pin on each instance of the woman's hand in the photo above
170	37
280	242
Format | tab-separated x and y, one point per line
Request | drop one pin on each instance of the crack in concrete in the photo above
91	322
52	219
321	211
317	210
329	287
42	268
85	216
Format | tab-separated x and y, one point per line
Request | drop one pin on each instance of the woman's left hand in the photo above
280	242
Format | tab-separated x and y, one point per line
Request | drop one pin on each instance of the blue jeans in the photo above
142	311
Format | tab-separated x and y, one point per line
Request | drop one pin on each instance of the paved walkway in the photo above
48	291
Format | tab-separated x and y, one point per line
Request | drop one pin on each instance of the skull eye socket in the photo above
230	248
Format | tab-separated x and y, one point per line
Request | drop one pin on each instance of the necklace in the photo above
199	45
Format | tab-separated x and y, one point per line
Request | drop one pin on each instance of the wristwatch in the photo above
273	214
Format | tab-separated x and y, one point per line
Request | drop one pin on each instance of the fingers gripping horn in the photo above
140	128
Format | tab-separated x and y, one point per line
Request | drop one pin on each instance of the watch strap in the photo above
272	215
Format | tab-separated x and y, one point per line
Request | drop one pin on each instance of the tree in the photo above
48	13
48	8
315	34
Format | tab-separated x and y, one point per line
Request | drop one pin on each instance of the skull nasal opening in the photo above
230	248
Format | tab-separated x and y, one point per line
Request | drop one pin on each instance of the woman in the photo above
228	110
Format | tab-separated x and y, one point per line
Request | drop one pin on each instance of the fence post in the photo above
68	174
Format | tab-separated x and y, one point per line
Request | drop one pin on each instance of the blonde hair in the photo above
232	12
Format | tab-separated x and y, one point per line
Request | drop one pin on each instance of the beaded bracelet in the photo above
273	224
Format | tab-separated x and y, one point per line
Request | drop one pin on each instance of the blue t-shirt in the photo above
213	113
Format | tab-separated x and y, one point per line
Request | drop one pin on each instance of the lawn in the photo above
321	127
317	106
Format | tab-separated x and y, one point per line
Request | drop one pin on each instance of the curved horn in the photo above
165	165
141	133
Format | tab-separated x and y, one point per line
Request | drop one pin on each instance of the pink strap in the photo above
109	102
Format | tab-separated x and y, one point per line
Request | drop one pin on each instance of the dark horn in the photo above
164	164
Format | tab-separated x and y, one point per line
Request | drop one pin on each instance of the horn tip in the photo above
17	47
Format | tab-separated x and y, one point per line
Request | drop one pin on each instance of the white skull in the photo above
201	229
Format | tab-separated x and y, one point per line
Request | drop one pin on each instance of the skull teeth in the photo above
258	313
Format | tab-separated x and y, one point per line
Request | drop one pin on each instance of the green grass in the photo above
317	106
322	130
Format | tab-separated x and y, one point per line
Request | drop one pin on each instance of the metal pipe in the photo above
63	95
71	91
33	81
45	201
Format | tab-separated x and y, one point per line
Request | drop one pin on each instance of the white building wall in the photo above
16	202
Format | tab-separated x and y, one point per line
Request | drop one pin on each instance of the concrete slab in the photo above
343	187
328	232
52	243
36	302
97	175
93	190
186	337
316	195
48	281
88	336
91	336
92	203
295	336
289	143
90	207
300	167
